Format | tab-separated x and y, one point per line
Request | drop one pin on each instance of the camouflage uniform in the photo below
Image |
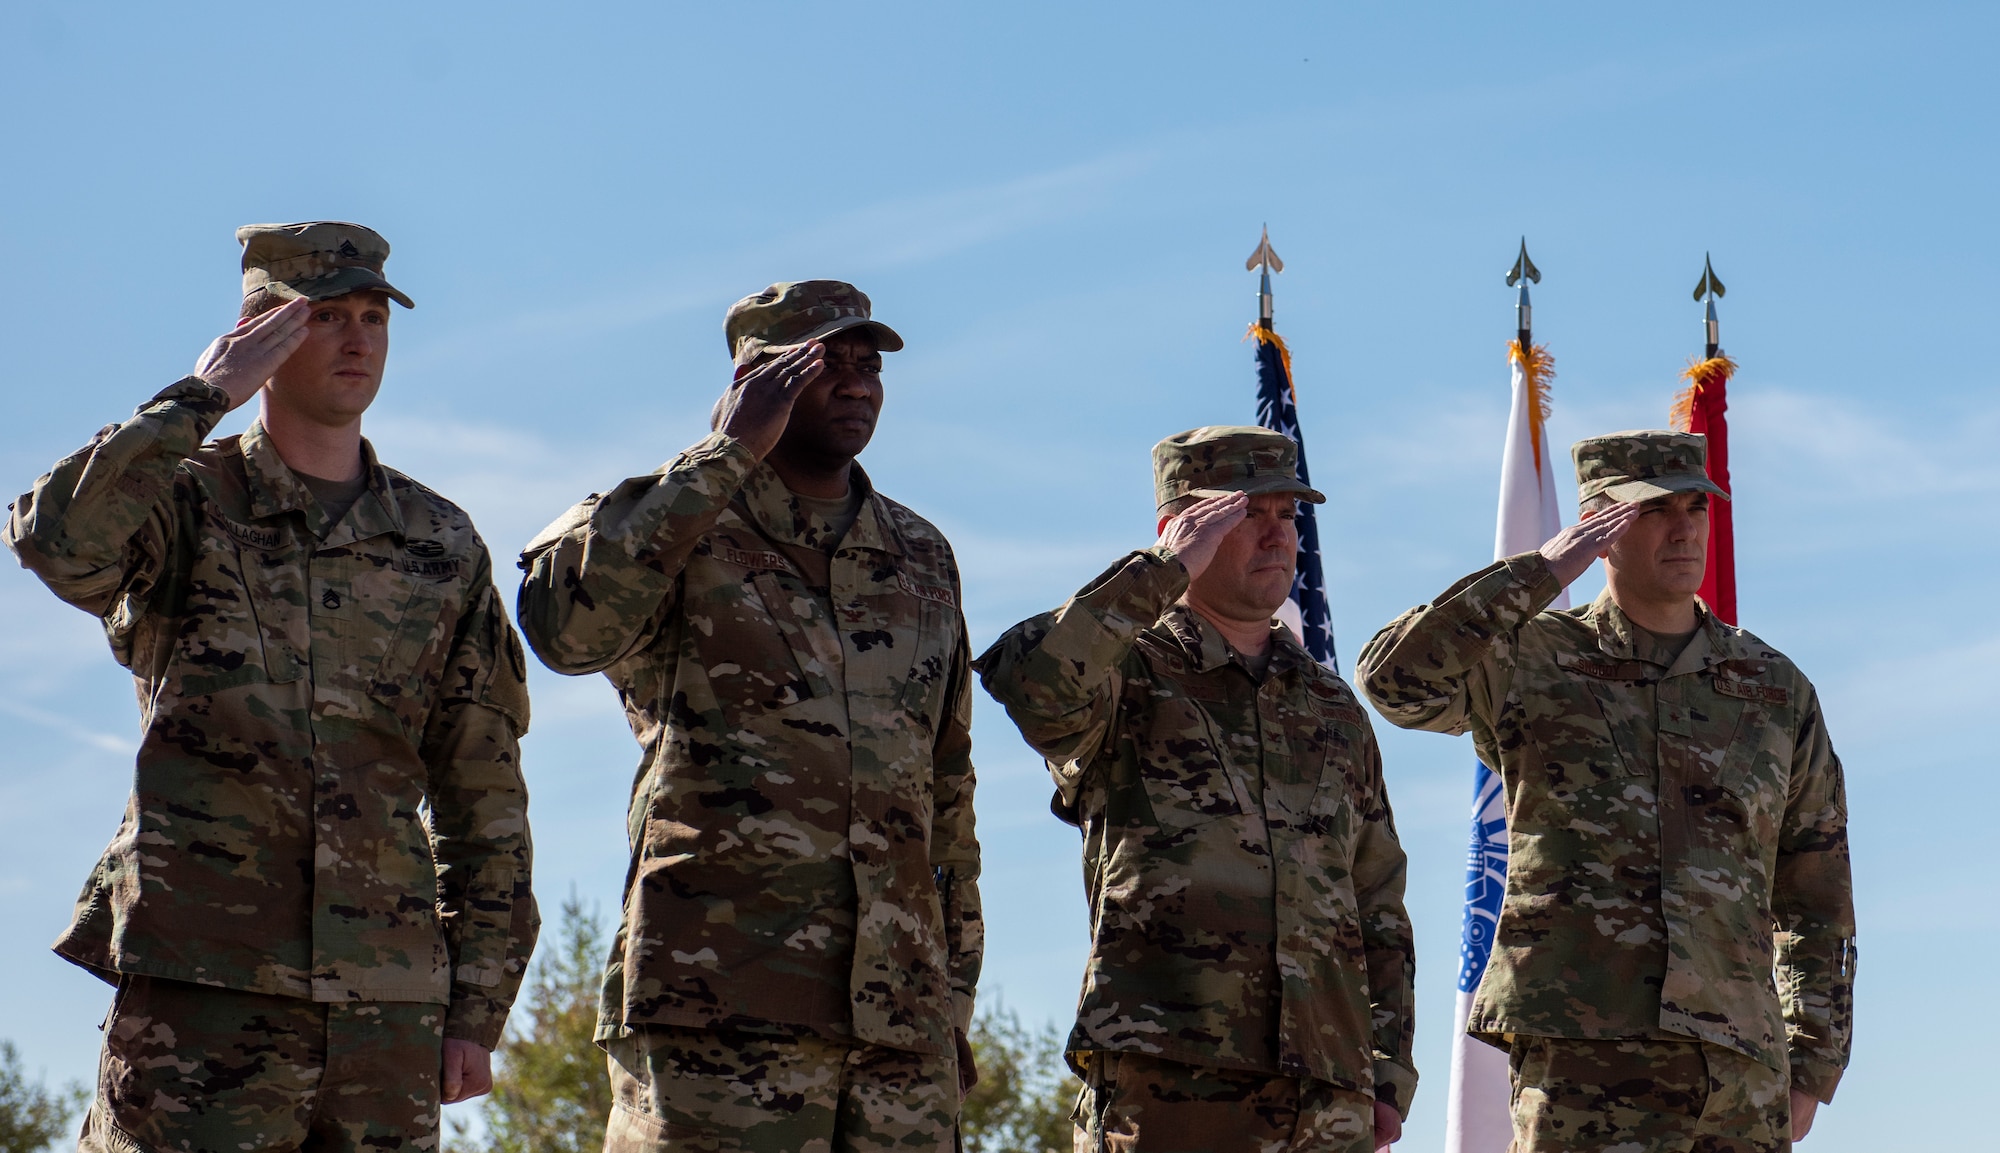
1665	810
1644	1095
328	806
1240	858
731	1091
193	1067
1138	1102
804	865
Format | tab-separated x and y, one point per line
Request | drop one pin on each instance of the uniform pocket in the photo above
737	622
247	591
1581	727
1187	780
421	625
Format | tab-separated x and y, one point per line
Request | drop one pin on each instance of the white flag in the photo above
1476	1115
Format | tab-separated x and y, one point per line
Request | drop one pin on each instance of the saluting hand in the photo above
1571	551
758	403
239	362
1196	533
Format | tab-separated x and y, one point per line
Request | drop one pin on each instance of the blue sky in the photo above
1052	203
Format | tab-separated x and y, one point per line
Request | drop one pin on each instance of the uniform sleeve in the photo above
479	817
99	528
1445	666
1058	674
955	842
1380	870
601	578
1813	898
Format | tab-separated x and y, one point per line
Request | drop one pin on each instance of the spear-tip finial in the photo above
1523	267
1710	289
1267	258
1524	272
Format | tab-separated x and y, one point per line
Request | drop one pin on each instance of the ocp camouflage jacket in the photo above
801	827
306	689
1240	858
1677	834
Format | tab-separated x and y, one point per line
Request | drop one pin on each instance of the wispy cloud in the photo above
80	733
890	234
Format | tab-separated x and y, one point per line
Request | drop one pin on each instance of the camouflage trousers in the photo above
722	1091
197	1069
1133	1103
1645	1097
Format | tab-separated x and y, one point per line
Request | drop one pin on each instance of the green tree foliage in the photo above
33	1117
1025	1092
551	1088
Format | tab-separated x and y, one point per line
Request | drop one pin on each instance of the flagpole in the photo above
1306	611
1477	1117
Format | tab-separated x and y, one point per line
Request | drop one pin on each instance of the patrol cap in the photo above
1642	464
787	315
1226	458
317	260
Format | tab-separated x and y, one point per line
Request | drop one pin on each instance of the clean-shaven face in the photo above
1251	574
335	374
1662	556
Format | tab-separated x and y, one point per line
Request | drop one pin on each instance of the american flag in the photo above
1278	410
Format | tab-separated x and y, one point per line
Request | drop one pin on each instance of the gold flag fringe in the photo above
1701	376
1284	354
1538	368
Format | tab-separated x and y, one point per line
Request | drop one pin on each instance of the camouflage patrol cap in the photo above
1226	458
1643	464
785	316
317	260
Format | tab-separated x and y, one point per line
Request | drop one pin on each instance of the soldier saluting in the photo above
801	936
320	891
1249	981
1674	961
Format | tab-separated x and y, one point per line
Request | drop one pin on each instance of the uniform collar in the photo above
778	513
1712	643
275	490
1207	651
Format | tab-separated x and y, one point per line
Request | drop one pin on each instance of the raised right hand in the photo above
1571	551
1195	534
239	362
758	403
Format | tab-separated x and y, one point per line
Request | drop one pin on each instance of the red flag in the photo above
1702	407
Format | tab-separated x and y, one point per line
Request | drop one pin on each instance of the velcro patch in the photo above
440	569
753	558
1605	670
1331	703
1337	711
1746	691
252	536
942	594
